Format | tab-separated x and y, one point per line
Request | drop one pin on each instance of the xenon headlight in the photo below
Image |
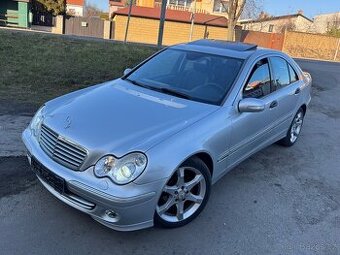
35	124
123	170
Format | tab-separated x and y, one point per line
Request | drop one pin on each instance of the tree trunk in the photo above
231	31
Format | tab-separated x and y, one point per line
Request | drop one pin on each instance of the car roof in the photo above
224	48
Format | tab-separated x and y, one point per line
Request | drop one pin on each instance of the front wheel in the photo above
185	194
294	130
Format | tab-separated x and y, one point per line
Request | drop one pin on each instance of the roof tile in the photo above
75	2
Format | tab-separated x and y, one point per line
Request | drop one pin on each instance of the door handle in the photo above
297	91
273	104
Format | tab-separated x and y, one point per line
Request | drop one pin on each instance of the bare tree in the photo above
333	26
92	11
252	9
289	26
235	9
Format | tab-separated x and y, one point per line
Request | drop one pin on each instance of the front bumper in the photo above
120	207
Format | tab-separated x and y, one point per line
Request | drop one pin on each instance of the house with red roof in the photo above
215	7
144	25
75	7
115	5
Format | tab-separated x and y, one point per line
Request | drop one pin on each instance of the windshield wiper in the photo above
174	93
163	90
134	82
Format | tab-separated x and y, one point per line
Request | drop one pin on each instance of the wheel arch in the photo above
202	155
207	159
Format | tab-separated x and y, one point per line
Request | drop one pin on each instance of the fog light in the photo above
111	213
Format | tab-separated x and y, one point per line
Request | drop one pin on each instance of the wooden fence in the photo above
90	26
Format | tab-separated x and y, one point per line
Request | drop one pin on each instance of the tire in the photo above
183	199
293	135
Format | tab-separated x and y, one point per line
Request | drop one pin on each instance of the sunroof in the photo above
238	46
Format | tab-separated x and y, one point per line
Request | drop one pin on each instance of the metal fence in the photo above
266	40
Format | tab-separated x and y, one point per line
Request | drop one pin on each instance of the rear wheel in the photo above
185	194
294	130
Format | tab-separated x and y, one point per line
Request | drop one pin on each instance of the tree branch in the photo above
237	16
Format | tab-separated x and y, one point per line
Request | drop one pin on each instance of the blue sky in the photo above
310	7
278	7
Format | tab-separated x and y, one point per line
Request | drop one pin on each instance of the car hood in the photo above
118	117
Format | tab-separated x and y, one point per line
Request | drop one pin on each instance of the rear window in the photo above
293	75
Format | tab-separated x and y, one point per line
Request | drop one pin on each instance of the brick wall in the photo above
307	45
145	30
296	44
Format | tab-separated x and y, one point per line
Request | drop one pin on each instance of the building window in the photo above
221	6
179	2
271	28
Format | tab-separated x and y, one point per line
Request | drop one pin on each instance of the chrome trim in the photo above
61	149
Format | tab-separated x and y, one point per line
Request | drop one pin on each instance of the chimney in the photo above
262	15
300	12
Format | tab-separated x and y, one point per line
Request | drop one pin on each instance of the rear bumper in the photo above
120	207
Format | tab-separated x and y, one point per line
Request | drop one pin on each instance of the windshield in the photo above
192	75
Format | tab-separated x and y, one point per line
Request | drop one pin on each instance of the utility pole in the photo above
161	23
64	17
192	21
337	49
128	22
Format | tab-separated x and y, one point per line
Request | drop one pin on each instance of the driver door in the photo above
250	129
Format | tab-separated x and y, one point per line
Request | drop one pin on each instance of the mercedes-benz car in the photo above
145	149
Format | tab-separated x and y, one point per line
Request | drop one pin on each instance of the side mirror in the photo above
251	105
127	71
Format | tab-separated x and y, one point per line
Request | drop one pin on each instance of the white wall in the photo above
325	21
75	10
298	23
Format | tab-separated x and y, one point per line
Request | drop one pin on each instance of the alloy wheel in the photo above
296	127
183	195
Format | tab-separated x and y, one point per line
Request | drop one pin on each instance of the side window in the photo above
259	83
293	75
281	77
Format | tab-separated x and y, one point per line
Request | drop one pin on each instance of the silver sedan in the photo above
145	149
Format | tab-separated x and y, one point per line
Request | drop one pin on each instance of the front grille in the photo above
60	149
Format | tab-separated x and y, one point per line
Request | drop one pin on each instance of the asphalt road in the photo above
280	201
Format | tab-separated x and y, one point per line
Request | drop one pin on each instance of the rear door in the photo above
285	95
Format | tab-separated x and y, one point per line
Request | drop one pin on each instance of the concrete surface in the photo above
11	126
280	201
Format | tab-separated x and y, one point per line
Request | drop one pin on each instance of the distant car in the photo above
146	148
